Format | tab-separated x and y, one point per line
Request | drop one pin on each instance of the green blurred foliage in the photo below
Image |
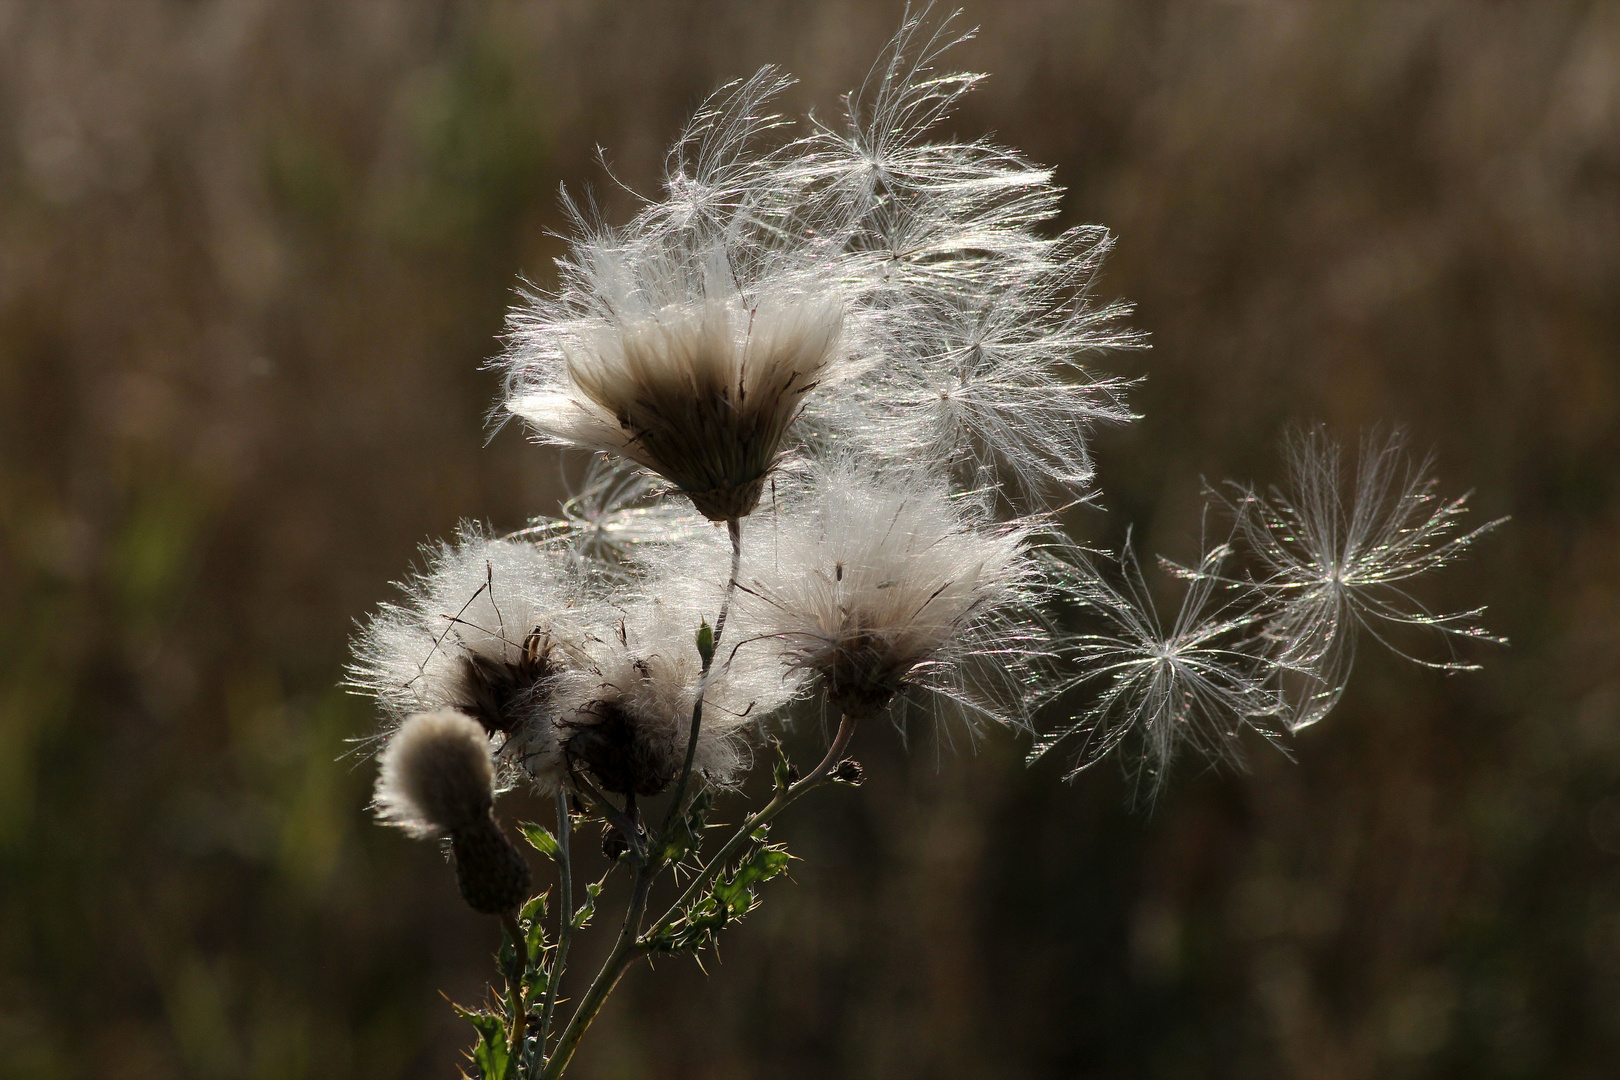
251	257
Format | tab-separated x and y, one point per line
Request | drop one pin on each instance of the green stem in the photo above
625	951
565	928
734	528
784	798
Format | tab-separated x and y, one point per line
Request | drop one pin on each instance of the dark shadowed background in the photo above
252	254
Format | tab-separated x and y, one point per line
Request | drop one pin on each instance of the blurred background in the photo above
252	255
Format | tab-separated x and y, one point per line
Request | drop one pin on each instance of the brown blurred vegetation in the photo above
251	256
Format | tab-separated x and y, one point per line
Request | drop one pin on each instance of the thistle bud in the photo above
613	843
490	872
705	643
437	778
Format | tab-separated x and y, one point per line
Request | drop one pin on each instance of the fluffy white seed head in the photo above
626	716
436	776
875	583
905	274
678	370
485	630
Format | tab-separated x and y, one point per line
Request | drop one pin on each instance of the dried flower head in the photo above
484	630
1334	567
876	582
905	275
627	713
671	364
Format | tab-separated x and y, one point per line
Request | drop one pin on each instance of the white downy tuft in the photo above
1194	682
876	583
1334	567
484	629
436	776
675	366
626	715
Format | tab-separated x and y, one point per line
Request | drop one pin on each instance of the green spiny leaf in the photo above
540	838
783	774
533	920
536	981
588	908
729	898
762	865
505	954
688	832
491	1055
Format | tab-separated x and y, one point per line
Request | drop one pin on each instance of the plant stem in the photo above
565	921
632	944
734	528
514	981
619	819
625	951
783	799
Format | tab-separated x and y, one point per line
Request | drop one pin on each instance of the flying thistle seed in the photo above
1338	558
1187	681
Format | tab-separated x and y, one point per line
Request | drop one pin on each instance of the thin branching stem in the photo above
734	528
784	798
629	948
632	945
625	951
623	820
565	919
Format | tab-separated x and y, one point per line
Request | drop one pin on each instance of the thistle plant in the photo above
854	348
